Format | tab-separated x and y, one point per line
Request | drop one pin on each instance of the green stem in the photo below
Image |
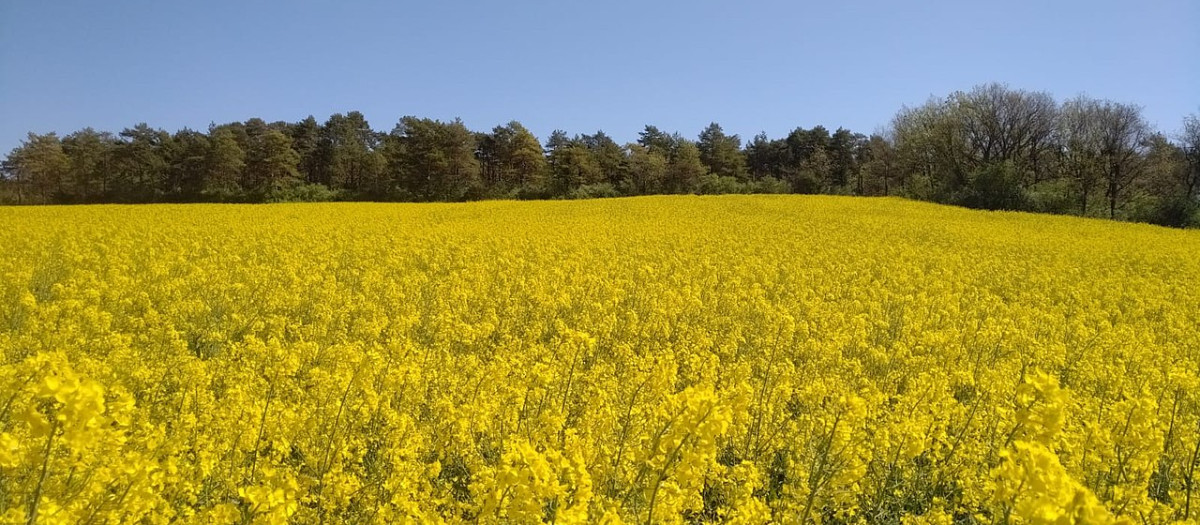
37	490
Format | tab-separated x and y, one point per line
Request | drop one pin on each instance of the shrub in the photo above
768	185
994	187
711	184
593	191
302	193
1054	196
1179	212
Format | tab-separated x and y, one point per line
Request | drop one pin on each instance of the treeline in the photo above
991	147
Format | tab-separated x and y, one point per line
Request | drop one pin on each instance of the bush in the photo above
223	195
593	191
917	187
8	193
301	193
1053	196
531	192
995	187
717	185
805	182
1179	212
768	185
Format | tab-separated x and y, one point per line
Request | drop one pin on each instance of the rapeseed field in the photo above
736	359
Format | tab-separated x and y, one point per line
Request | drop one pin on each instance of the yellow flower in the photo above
675	359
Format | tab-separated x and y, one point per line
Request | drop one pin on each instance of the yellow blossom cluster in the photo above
736	359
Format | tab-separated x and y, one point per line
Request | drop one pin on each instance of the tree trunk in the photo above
1083	201
1113	187
1112	200
1192	180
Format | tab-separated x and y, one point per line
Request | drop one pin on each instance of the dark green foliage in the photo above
877	172
37	170
271	163
994	187
766	157
656	141
815	172
721	153
647	171
609	158
224	164
432	160
302	192
572	164
593	191
1052	196
991	147
713	184
349	156
510	157
841	152
140	164
306	140
684	168
1178	211
90	173
767	185
187	156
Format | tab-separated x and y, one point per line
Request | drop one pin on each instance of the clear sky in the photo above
581	66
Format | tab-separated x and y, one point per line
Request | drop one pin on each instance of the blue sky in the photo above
751	66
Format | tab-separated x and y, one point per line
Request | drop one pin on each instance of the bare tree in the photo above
1102	142
1123	134
950	140
1000	124
1189	142
1079	146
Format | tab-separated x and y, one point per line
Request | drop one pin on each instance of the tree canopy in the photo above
991	147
